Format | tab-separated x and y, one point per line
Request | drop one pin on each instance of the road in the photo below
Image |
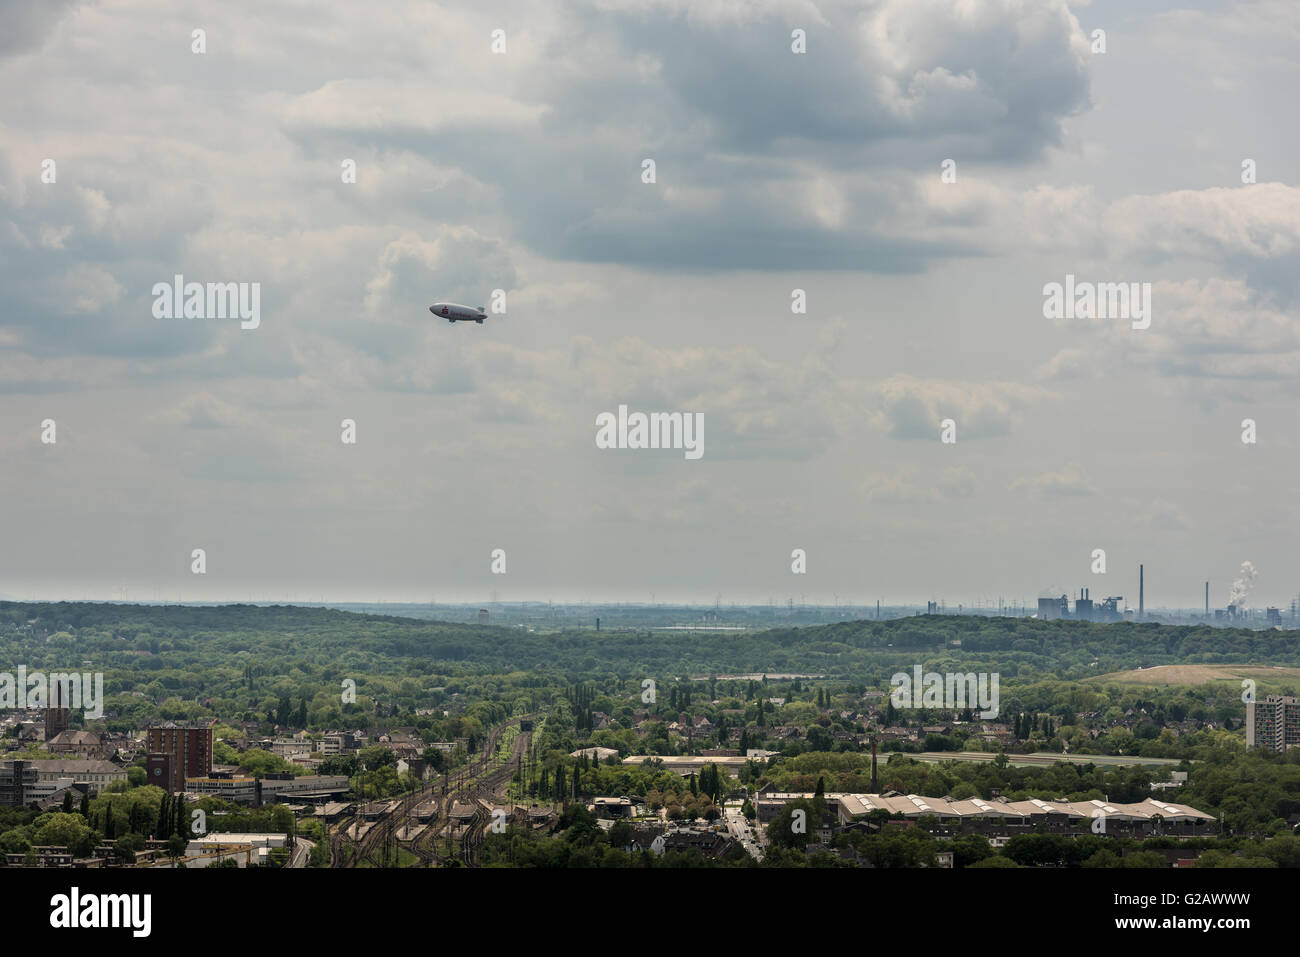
739	829
301	853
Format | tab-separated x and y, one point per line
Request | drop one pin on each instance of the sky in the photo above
521	170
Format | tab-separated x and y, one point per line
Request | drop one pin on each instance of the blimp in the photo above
456	313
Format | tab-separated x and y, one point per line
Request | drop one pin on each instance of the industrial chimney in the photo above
1141	595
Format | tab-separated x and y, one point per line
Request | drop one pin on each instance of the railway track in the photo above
484	794
483	779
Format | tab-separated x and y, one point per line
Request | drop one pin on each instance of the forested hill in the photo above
174	637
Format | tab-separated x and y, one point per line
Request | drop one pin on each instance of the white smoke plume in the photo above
1242	585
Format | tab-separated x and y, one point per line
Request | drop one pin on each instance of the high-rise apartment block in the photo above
1273	723
188	752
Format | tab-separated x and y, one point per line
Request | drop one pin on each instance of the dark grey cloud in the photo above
992	81
736	122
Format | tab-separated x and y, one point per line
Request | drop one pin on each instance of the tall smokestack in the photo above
1207	599
1141	595
874	785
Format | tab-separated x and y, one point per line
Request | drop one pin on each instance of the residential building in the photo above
1273	723
85	743
190	751
94	776
16	777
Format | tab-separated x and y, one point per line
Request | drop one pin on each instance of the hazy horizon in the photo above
980	606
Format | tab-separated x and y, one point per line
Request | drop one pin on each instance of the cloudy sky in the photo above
774	171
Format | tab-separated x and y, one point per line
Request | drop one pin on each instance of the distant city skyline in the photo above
686	599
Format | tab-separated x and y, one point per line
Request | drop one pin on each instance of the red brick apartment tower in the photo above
189	753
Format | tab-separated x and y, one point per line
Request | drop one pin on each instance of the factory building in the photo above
1085	609
1049	608
1083	606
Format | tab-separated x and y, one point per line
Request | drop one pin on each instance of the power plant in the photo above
1237	614
1085	609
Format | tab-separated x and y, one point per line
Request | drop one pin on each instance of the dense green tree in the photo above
970	849
126	847
176	847
621	834
164	828
792	826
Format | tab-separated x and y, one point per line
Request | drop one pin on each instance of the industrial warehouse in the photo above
1001	817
